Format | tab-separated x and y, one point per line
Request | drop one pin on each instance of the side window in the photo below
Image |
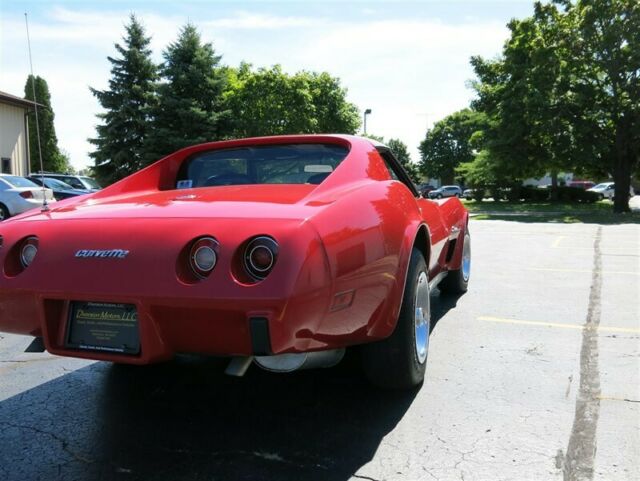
389	166
73	182
397	173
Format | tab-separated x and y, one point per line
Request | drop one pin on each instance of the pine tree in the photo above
121	137
52	159
190	105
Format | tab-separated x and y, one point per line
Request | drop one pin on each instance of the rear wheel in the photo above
399	362
457	282
4	213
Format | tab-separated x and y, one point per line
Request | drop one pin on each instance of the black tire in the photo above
4	212
439	196
457	282
394	363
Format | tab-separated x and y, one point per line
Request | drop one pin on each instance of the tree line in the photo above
563	96
152	110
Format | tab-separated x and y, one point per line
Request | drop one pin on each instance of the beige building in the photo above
14	134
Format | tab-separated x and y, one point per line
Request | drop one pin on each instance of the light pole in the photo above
366	112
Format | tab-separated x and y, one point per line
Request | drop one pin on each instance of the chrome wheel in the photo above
422	318
466	257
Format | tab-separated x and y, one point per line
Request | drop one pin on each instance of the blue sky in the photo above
407	61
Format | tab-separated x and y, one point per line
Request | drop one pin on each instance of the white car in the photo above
606	190
18	195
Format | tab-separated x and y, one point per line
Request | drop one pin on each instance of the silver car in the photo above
18	195
446	191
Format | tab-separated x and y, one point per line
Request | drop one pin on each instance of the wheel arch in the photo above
422	242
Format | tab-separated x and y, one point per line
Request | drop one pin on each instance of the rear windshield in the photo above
16	181
272	164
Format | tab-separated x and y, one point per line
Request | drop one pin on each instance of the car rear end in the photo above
21	195
142	291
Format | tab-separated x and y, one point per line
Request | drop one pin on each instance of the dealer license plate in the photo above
99	326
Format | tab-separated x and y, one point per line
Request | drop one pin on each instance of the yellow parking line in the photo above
556	324
556	243
555	269
582	248
611	398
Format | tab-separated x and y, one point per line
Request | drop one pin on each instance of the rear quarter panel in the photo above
368	236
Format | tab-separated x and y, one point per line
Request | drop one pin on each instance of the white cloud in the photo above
409	72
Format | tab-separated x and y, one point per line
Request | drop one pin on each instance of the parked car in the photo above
61	190
80	182
18	195
582	184
468	194
606	190
446	191
280	250
424	189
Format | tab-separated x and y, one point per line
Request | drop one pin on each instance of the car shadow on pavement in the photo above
186	420
441	304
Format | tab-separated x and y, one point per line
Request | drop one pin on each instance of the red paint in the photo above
344	247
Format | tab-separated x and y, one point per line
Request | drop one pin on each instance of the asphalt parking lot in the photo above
534	374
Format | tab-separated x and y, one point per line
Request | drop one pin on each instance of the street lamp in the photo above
366	112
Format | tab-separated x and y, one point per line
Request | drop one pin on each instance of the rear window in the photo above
269	164
16	181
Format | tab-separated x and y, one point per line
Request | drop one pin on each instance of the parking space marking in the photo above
590	249
624	399
556	269
556	243
557	324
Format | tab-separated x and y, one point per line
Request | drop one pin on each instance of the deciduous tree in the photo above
449	143
271	102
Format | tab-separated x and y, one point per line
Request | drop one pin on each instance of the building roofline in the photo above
7	98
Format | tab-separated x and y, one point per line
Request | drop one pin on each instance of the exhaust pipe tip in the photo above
290	362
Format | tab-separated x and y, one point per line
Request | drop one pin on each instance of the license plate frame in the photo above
103	327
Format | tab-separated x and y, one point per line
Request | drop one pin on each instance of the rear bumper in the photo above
20	206
224	327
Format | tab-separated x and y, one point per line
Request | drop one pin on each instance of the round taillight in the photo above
203	256
260	256
28	251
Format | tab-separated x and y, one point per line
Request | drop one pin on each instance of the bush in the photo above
575	194
534	194
513	194
496	192
478	194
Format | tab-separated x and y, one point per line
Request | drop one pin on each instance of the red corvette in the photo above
279	250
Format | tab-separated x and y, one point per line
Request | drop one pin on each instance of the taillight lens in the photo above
260	256
203	256
28	251
27	194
